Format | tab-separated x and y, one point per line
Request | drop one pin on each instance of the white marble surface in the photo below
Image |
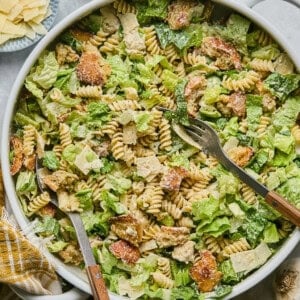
10	64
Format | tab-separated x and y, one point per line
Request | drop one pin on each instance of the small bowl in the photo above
24	42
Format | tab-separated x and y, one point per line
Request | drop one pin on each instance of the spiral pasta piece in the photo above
263	38
99	38
165	135
29	140
186	222
238	246
151	42
262	65
245	83
171	53
248	195
162	280
117	145
124	105
150	232
123	7
65	135
111	44
194	59
110	128
172	209
163	265
97	186
262	126
296	133
180	70
89	91
38	202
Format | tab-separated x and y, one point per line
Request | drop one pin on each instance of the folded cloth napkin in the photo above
21	263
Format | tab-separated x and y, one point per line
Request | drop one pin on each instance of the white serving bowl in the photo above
73	274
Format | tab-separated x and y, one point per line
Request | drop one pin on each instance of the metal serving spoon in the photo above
200	135
95	277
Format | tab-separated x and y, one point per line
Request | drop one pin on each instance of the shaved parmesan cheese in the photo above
247	261
149	165
87	160
20	18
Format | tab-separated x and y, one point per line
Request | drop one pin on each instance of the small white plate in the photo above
24	42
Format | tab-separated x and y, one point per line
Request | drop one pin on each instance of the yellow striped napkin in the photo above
21	263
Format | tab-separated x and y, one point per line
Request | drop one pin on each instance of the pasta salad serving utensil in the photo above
95	277
200	135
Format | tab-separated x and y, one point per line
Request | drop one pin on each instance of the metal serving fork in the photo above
206	137
95	277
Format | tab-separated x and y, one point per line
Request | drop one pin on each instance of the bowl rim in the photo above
61	268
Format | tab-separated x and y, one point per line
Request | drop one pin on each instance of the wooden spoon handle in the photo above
98	287
284	207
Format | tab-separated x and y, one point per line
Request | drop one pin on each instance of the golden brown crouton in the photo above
180	14
92	68
172	236
171	180
128	228
237	103
226	54
17	147
58	179
125	251
65	54
205	273
80	35
240	155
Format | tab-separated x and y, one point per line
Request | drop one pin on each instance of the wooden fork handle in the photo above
96	280
284	207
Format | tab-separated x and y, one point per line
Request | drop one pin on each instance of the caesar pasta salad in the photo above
165	220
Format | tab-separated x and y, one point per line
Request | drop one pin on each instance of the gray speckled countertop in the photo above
10	64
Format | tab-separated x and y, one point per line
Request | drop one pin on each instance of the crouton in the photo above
92	68
128	228
180	14
240	155
125	251
17	148
237	103
71	254
29	162
226	54
205	272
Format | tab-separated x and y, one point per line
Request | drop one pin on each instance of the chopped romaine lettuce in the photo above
26	183
254	111
142	121
106	259
96	223
169	80
47	226
205	209
56	246
229	275
118	184
186	293
269	52
98	114
50	160
291	190
282	85
284	143
85	199
112	202
271	234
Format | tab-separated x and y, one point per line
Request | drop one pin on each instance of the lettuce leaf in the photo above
182	39
271	234
236	32
229	276
186	293
112	202
216	228
85	199
180	274
118	184
45	73
291	191
205	209
56	246
142	121
96	222
230	129
284	143
151	10
106	259
47	226
282	85
286	115
50	160
254	112
98	114
26	183
181	114
169	80
269	52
